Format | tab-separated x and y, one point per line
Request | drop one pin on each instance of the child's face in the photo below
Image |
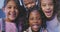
47	7
11	10
29	3
35	20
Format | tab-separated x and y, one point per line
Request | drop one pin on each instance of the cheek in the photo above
43	8
6	11
17	12
30	22
39	22
52	8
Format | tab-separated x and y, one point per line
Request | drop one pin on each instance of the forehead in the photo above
28	1
34	13
47	1
11	3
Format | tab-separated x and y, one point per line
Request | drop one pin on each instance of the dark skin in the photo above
35	21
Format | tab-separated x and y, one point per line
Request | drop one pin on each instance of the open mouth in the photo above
12	14
35	26
48	12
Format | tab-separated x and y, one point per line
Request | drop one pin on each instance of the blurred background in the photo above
1	12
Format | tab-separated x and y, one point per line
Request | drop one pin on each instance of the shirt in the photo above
53	25
7	26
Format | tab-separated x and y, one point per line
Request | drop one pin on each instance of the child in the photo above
11	10
35	20
49	9
29	3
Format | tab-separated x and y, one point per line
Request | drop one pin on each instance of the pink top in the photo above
10	27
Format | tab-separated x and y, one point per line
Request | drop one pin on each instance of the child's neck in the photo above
8	20
36	31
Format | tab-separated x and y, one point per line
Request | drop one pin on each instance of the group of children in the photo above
32	16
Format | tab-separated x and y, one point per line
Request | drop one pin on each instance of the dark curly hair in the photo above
42	17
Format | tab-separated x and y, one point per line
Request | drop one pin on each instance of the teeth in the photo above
48	11
13	14
35	26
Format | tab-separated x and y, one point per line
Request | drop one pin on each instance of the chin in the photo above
12	18
35	30
48	17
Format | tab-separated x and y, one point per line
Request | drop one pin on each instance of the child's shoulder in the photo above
43	30
28	30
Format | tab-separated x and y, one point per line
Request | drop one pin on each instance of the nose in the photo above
47	7
35	21
12	9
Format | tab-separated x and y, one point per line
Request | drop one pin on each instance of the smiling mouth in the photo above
35	26
48	11
13	14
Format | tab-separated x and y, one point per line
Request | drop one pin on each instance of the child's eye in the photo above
50	4
15	7
43	5
38	18
9	7
31	19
